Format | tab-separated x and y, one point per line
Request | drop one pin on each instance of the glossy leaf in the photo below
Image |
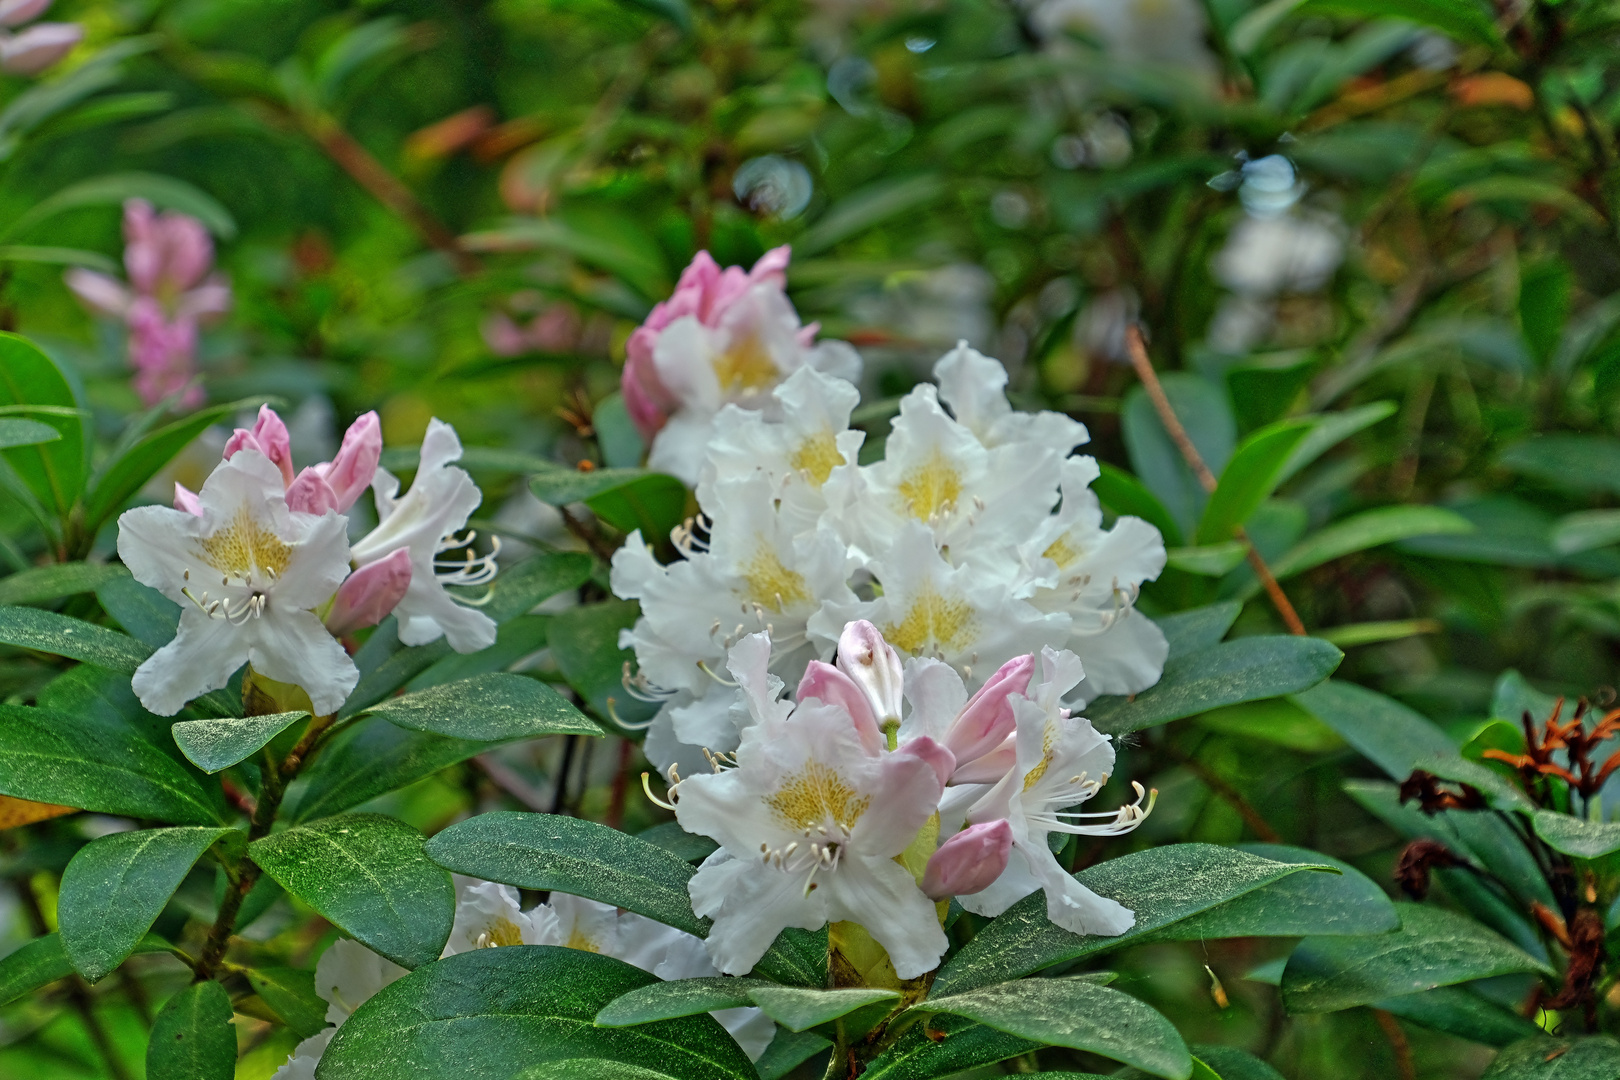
1124	494
55	471
48	632
683	997
49	756
145	614
368	875
215	745
498	1012
496	707
1230	1063
1585	530
1577	836
1368	529
1568	461
1212	560
945	1046
38	584
800	1008
1542	1057
1461	1012
115	887
1332	429
1249	478
627	499
789	1050
1161	886
290	993
1077	1013
514	640
585	644
1203	411
1274	720
42	961
17	431
1381	729
1245	669
192	1036
1199	628
1434	947
369	758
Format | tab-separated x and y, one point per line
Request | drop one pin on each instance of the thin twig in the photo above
1195	461
1251	817
1397	1043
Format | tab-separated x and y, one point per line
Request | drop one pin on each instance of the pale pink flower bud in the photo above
969	861
269	437
350	473
38	47
368	595
987	719
826	683
931	753
991	767
162	354
17	12
874	666
309	493
101	294
164	254
187	500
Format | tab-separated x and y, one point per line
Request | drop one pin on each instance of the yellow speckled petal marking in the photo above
816	797
578	939
932	619
818	456
745	366
932	487
770	584
503	932
1048	741
243	546
1060	552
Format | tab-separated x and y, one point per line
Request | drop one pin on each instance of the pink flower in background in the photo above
31	51
330	485
167	258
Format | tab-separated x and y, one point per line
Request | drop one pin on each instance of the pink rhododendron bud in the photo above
991	767
368	595
38	47
161	353
309	493
932	753
269	437
17	12
101	294
874	666
350	473
164	254
828	684
186	499
987	719
969	861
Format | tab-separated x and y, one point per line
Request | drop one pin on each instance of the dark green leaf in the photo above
369	758
800	1008
49	756
1381	729
1513	697
627	499
514	640
518	590
164	192
1577	836
671	837
1275	720
1203	410
788	1051
621	443
116	886
1162	886
1211	560
488	708
1459	1011
1368	530
498	1012
290	992
368	875
1542	1057
1198	629
1124	494
1433	947
192	1037
1580	463
1544	295
16	431
683	997
146	614
585	644
41	583
1230	1063
861	209
58	256
48	632
1249	478
1332	429
1077	1013
1462	19
595	1068
214	745
1245	669
42	961
964	1045
54	472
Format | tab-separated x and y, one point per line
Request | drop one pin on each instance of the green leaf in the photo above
119	479
1381	729
1265	387
216	745
498	1012
369	758
290	993
368	875
596	1068
146	614
1161	885
1077	1013
1369	529
800	1008
1541	1057
606	239
115	887
514	640
58	256
787	1052
1346	902
164	192
957	1045
1245	669
73	760
1230	1063
868	206
192	1037
1577	836
1212	560
671	837
1350	635
617	435
1461	19
1204	413
519	589
683	997
1125	494
1433	947
1332	429
16	431
1544	295
1249	478
1198	628
54	472
1275	720
585	644
42	961
1585	464
627	499
48	632
39	584
1459	1011
1585	530
488	708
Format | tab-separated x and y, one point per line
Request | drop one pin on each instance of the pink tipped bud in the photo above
17	12
309	493
351	472
874	666
101	294
646	398
989	768
269	437
970	861
185	499
936	756
987	719
38	47
367	596
826	683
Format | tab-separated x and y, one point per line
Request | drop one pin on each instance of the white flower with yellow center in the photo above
809	822
489	916
347	976
247	573
1062	762
1094	575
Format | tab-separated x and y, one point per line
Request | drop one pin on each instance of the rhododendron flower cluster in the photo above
168	258
880	759
32	49
726	337
261	564
973	540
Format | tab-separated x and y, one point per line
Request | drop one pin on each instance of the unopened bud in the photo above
351	472
269	437
987	719
874	666
969	861
830	685
38	47
368	595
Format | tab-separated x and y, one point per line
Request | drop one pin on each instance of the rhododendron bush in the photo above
809	539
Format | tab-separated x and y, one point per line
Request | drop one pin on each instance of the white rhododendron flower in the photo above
248	573
347	976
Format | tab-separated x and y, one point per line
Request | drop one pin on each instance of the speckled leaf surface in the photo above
116	886
498	1013
213	745
367	874
48	632
683	997
1541	1057
957	1044
42	961
799	1008
192	1037
1577	836
493	707
1161	885
370	758
1230	1063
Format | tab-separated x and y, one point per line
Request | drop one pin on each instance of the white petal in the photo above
936	694
155	542
751	904
203	656
294	647
882	896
